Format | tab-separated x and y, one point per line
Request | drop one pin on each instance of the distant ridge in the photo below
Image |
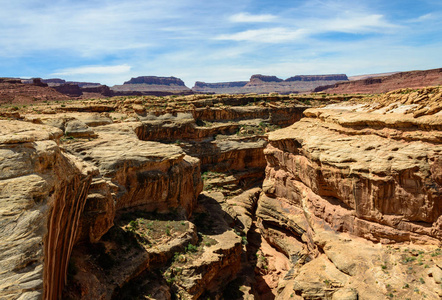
386	83
263	84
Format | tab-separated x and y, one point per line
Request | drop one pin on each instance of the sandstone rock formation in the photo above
347	170
43	193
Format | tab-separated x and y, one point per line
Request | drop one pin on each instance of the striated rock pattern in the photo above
357	169
42	195
375	183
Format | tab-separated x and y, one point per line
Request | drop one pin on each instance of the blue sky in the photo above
110	41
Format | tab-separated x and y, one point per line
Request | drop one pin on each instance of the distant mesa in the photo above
263	84
153	85
264	78
154	80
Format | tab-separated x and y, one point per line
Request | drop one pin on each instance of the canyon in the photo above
223	196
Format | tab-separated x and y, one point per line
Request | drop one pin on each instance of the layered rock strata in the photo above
42	194
344	182
380	182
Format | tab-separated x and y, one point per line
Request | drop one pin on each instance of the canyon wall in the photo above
42	194
349	170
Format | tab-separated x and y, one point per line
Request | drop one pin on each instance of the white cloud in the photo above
248	18
87	70
357	24
424	18
266	35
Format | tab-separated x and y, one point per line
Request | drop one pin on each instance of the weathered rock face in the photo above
360	180
128	164
42	195
51	200
356	170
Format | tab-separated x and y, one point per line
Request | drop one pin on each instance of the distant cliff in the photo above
263	84
382	84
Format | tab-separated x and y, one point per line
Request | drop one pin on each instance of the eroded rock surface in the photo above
348	170
42	195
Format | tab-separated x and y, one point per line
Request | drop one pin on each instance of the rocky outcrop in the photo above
357	170
383	84
54	200
379	185
42	194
